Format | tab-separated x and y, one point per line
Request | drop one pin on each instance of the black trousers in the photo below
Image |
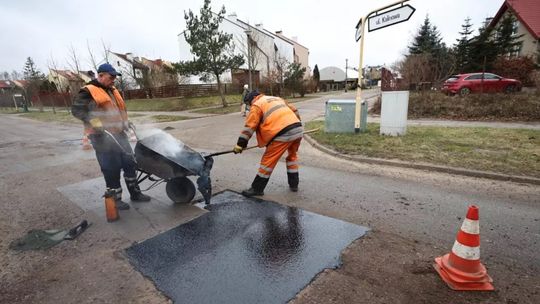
112	159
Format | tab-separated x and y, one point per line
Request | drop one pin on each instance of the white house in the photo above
270	52
131	69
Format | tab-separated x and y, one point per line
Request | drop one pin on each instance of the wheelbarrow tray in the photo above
163	156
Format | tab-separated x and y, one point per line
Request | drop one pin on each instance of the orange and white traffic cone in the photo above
110	206
85	142
461	269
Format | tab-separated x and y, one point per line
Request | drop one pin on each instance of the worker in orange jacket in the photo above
101	108
278	128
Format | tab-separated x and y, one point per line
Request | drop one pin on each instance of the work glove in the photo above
131	126
97	125
237	149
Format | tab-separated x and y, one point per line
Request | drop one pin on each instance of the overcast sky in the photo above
41	29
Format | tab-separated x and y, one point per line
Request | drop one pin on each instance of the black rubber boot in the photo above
135	191
293	181
120	205
257	187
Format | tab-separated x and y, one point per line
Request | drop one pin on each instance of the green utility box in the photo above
339	116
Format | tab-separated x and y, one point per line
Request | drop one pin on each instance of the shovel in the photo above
252	147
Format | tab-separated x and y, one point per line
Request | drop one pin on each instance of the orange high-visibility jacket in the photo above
112	113
268	116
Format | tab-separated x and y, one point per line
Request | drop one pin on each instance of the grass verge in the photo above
167	118
51	117
179	104
508	151
235	107
220	110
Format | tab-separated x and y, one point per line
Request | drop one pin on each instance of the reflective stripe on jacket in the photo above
267	117
112	113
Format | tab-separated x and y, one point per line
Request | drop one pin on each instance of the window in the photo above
474	77
491	76
515	27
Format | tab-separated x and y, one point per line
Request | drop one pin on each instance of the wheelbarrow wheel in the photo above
180	190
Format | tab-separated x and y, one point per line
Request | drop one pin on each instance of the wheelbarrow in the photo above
160	158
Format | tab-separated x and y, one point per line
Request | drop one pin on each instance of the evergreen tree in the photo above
428	40
316	76
482	52
462	48
212	48
293	78
31	72
506	41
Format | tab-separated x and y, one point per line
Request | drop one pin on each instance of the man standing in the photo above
244	107
278	127
101	108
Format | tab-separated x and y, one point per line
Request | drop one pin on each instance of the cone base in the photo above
483	285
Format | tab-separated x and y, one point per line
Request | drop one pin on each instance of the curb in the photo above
423	166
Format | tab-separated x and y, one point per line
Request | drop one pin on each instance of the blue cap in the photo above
107	68
249	97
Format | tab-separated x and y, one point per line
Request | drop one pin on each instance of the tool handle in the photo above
228	151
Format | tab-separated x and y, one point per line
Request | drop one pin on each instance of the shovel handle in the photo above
228	151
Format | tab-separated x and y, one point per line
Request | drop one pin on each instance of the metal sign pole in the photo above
360	31
359	86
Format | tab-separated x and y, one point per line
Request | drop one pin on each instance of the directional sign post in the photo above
376	19
391	17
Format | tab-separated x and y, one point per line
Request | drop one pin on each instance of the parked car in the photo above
464	84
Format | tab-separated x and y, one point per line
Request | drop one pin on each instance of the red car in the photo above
464	84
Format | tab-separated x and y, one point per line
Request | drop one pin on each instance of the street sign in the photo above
391	17
358	34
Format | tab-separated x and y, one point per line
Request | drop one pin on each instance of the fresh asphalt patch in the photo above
244	250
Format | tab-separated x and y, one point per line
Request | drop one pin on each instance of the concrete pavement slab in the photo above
143	220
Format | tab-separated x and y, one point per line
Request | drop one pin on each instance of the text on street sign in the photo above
391	17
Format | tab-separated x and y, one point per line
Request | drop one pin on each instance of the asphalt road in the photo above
417	205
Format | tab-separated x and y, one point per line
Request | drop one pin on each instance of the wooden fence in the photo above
182	90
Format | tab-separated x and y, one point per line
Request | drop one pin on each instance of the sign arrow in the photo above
358	34
391	17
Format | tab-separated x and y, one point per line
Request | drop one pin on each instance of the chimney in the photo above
294	38
129	56
279	32
259	26
232	17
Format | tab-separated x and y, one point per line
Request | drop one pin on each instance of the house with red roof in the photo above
65	81
527	24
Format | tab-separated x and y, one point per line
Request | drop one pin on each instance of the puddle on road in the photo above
244	250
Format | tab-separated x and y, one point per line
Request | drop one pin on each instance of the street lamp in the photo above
346	68
248	32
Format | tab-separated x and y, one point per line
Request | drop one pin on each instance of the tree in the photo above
462	48
34	77
316	77
31	72
16	75
429	59
482	52
427	40
293	78
506	42
5	75
212	49
248	47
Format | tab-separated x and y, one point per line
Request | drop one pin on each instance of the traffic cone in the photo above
110	207
461	269
85	142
